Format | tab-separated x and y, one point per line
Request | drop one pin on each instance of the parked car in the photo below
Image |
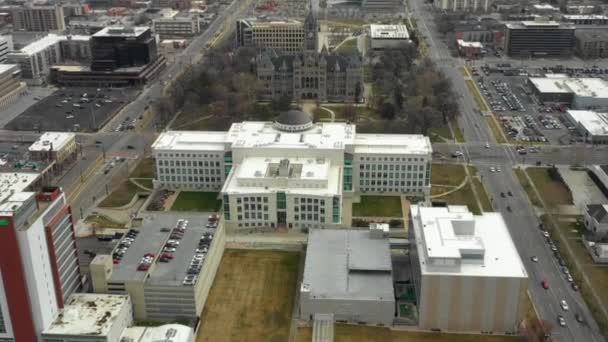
545	284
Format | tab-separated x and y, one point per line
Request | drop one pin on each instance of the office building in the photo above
38	262
596	220
539	38
292	172
154	289
487	31
324	76
120	47
348	274
90	317
470	50
76	48
577	93
36	58
178	26
388	36
466	270
593	19
591	44
463	5
11	87
54	146
285	36
6	46
39	18
592	126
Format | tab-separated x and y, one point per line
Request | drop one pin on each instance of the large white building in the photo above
6	46
596	219
348	274
292	172
286	36
592	126
463	5
388	36
468	275
578	93
57	146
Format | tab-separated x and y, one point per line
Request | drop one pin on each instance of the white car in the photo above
492	169
564	305
546	234
487	145
498	169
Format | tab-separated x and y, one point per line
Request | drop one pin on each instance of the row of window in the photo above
190	171
389	183
402	159
190	179
390	175
200	163
391	167
189	155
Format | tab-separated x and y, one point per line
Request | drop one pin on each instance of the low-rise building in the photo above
91	317
178	26
11	87
348	274
591	19
154	288
577	93
592	126
470	50
596	219
165	333
54	146
388	36
467	273
591	44
487	31
6	46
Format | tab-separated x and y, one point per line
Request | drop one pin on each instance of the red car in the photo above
143	267
167	255
116	261
149	255
545	284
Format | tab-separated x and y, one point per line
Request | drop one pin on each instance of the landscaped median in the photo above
549	193
124	192
481	103
497	131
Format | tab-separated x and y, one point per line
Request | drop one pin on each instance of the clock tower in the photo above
311	30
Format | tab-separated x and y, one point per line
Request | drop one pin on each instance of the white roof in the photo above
595	123
389	31
454	241
90	314
348	264
8	68
306	176
165	333
41	44
545	7
463	43
57	140
12	183
583	87
540	23
121	31
259	134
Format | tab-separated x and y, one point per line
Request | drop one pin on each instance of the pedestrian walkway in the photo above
323	328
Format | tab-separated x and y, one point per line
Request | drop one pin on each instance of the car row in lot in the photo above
176	235
145	262
124	245
196	264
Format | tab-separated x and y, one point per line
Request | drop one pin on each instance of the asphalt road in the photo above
522	220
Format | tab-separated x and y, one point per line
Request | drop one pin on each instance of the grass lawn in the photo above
103	221
321	114
464	196
444	131
496	130
481	104
348	46
381	206
196	201
359	333
147	182
124	193
447	174
483	195
251	298
554	193
523	180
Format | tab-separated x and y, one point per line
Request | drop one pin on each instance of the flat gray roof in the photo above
348	264
152	240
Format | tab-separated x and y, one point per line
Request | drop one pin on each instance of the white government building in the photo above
293	172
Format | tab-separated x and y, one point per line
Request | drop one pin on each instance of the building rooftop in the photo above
539	22
584	87
257	134
152	240
164	333
290	175
594	122
88	314
454	241
599	212
462	43
52	140
8	68
12	183
389	32
584	17
40	44
121	31
348	264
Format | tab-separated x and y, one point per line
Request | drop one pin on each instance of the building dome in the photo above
293	121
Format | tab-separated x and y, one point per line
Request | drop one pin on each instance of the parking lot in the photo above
523	119
73	109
